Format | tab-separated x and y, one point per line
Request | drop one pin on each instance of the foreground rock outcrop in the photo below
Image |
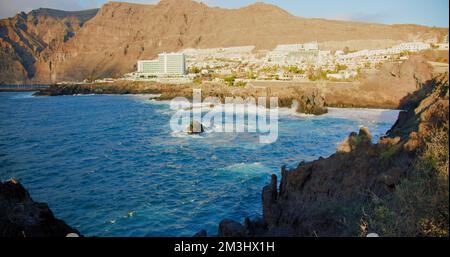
20	216
396	187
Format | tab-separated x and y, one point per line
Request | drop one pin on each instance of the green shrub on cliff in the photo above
419	205
388	154
230	80
240	84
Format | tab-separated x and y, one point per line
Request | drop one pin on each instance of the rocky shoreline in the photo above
341	195
362	188
384	89
20	216
305	101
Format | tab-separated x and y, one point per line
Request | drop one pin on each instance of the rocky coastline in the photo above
341	195
305	101
384	89
364	188
20	216
360	189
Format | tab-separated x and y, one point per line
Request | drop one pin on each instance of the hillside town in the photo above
286	62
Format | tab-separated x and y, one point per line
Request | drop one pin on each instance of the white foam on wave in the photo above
25	95
253	167
248	109
83	94
146	97
293	113
159	102
361	114
183	133
358	114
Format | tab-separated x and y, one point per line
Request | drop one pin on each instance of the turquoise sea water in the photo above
111	166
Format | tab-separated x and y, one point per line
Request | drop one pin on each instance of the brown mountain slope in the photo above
121	33
110	43
26	37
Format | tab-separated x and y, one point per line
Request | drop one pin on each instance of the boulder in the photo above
195	128
364	138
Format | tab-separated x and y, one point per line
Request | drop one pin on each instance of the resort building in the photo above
444	44
410	46
294	54
166	65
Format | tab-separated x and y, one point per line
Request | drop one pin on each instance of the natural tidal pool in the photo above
111	165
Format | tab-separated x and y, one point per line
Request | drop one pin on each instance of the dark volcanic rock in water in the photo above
312	103
20	216
195	128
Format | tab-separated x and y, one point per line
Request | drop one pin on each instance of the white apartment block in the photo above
295	54
233	53
442	46
296	47
411	47
378	55
167	64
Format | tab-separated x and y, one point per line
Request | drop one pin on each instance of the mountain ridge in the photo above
109	43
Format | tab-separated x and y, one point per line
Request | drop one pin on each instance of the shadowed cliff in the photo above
20	216
396	187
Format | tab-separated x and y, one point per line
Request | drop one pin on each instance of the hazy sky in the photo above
426	12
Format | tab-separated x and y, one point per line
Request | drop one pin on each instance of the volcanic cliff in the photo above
396	187
42	47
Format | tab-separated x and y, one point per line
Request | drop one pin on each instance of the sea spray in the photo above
230	116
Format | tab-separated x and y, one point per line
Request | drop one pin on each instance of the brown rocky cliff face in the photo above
26	38
110	43
384	88
327	197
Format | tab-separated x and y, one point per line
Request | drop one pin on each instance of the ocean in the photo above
109	165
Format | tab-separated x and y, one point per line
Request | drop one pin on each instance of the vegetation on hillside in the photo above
419	206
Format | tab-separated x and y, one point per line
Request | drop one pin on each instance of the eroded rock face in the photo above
327	197
231	228
312	103
354	140
20	216
26	39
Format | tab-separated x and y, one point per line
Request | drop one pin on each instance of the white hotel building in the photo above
411	47
166	65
